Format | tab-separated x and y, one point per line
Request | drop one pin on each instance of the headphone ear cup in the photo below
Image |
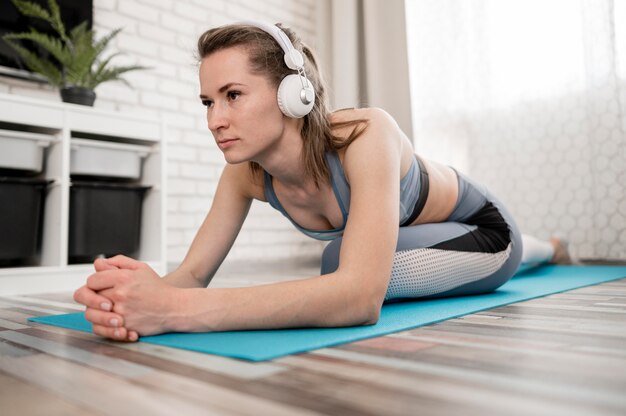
289	100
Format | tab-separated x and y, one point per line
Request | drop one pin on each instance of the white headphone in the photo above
296	95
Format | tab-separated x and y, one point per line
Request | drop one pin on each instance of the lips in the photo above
224	143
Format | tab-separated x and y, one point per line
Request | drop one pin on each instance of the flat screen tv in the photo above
73	12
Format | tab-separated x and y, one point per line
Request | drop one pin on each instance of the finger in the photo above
133	336
118	334
107	293
105	279
101	264
124	262
108	319
91	299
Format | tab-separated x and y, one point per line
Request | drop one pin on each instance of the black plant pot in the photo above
78	95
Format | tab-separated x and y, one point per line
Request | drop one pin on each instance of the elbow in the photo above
371	319
356	303
193	278
369	311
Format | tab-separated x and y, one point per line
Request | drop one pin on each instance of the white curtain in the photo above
529	97
369	57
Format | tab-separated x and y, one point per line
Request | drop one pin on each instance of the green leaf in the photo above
78	34
83	53
101	44
114	74
31	9
55	19
102	66
50	44
36	64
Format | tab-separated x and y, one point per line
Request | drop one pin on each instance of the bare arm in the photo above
218	231
106	295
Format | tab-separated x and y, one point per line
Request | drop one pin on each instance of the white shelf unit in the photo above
65	122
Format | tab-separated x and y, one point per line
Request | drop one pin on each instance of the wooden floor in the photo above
561	354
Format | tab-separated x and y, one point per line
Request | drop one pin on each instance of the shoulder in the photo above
373	116
239	178
379	127
382	133
378	148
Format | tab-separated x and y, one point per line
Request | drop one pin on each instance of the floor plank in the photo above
28	399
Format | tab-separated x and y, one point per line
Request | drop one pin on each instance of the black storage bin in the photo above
21	212
105	219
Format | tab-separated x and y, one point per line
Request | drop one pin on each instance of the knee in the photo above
330	257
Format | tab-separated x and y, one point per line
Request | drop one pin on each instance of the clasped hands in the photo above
125	298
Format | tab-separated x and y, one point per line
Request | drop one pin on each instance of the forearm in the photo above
182	278
315	302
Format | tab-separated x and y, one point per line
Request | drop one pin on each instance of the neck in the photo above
284	160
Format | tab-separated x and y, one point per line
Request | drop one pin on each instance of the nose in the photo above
217	117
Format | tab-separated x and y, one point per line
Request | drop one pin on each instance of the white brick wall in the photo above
162	34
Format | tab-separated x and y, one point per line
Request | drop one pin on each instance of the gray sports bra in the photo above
413	194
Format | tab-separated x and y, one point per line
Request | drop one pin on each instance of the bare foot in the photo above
561	254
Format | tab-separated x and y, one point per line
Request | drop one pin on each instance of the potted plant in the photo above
75	64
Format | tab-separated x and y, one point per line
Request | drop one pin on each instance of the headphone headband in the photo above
293	57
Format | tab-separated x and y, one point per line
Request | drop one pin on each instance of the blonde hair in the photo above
266	57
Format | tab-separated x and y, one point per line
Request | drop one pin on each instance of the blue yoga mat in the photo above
268	344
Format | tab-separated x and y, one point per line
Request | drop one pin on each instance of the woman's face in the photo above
242	111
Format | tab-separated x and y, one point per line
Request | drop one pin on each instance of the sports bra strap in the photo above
339	182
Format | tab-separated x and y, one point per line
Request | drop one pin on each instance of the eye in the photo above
233	95
207	103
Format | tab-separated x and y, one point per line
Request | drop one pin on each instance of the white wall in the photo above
163	34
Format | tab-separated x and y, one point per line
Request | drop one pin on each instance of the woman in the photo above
454	237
